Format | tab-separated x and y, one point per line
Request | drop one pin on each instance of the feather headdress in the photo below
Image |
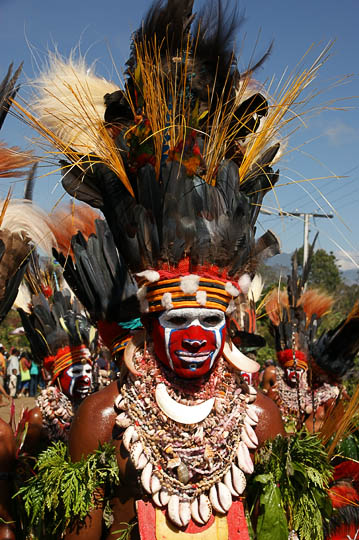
295	314
23	227
335	350
58	332
98	276
181	160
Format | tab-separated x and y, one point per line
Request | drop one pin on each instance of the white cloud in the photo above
349	261
341	133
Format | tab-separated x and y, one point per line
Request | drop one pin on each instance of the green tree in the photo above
324	272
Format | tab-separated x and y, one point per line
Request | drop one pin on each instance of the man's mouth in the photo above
193	360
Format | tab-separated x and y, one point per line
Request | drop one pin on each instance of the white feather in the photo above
256	288
55	103
23	299
26	219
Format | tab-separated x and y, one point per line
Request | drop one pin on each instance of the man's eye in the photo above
212	320
178	321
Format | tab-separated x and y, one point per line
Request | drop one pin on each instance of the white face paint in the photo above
81	379
193	338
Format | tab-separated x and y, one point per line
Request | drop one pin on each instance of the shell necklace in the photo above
191	465
57	413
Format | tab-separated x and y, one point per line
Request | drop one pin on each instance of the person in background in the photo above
13	383
3	393
34	380
13	368
25	365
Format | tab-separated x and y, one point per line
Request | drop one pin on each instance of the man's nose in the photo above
194	345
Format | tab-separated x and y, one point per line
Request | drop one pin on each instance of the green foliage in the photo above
290	481
62	492
12	321
268	351
324	272
125	534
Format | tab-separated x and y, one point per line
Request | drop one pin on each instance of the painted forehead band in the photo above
66	357
190	290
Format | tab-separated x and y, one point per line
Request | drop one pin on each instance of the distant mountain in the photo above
282	260
281	264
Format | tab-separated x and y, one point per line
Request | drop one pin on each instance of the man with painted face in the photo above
58	328
176	417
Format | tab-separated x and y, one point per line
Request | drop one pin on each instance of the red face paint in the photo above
294	375
76	381
189	340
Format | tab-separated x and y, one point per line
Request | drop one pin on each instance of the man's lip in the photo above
193	358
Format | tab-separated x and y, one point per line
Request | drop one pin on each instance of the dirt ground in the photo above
20	404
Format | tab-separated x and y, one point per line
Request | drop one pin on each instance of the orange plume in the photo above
12	160
68	221
275	303
315	303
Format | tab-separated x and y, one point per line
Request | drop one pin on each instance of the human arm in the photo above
7	465
92	425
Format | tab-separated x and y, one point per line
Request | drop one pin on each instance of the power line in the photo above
306	217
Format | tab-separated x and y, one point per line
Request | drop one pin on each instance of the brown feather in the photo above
12	160
16	251
316	303
275	303
67	221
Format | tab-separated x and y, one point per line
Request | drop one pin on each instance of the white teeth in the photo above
238	480
238	360
205	507
164	496
195	512
155	484
213	497
224	496
183	414
173	510
123	421
244	458
251	412
246	439
227	479
146	477
251	433
127	437
185	512
135	452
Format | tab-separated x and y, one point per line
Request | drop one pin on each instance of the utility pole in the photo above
306	217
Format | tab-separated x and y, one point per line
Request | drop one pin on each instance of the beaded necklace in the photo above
188	467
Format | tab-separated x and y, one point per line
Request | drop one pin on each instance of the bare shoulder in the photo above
35	416
270	420
93	422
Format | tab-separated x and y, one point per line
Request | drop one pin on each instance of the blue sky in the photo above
327	146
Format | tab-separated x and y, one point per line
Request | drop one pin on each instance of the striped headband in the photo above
157	294
286	358
66	357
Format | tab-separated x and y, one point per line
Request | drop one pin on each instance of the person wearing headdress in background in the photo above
63	340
